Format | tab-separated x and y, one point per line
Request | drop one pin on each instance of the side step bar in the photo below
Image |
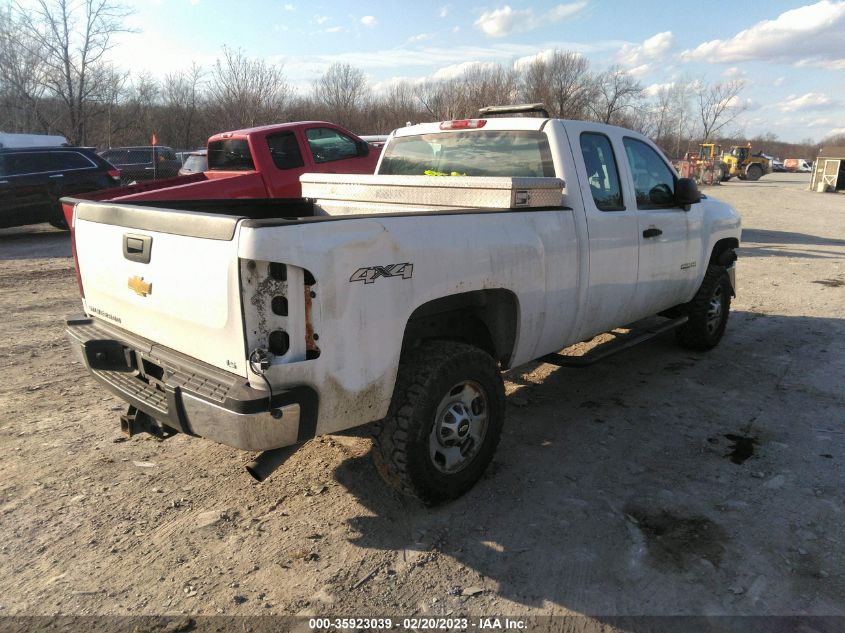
613	347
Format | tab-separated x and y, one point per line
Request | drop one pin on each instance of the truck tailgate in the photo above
168	276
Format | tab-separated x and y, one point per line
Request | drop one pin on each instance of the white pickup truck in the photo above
398	297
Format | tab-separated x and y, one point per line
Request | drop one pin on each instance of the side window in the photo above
165	153
285	150
139	156
114	156
654	182
602	173
69	160
26	163
328	145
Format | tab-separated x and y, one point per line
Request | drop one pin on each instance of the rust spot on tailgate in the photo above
311	348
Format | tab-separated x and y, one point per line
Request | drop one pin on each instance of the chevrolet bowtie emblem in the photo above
140	286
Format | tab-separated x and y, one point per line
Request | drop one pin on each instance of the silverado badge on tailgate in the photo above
140	286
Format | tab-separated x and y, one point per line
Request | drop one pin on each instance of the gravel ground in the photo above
658	482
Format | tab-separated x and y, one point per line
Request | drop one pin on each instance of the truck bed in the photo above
335	196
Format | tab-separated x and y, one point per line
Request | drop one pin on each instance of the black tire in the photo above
59	224
754	172
58	218
408	451
708	312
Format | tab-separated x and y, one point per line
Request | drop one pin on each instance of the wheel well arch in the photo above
484	318
720	248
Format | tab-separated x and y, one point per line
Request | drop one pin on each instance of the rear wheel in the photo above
444	422
707	312
754	172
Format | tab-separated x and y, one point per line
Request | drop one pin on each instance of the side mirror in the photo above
686	192
363	148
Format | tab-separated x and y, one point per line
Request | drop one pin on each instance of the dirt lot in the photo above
658	482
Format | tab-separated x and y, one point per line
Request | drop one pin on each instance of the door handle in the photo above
652	232
137	248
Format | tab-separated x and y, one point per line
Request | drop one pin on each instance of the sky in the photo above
790	54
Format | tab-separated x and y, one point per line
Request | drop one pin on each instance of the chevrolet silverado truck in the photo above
397	298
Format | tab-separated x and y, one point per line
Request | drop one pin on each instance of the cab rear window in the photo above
231	154
511	153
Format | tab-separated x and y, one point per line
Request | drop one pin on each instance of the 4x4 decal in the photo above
369	275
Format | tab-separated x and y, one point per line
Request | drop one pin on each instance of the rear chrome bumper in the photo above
189	396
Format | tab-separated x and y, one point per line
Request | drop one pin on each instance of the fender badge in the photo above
141	287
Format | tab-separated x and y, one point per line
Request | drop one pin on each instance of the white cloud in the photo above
457	70
809	101
654	89
810	34
652	49
640	71
421	37
743	104
321	19
734	72
194	2
504	21
369	20
837	131
334	29
779	81
563	11
443	11
289	7
527	60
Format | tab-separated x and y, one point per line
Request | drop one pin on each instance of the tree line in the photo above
55	77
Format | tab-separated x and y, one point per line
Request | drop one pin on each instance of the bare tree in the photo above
343	92
562	82
615	91
439	100
113	95
182	98
71	39
395	107
481	86
718	105
246	92
667	117
22	88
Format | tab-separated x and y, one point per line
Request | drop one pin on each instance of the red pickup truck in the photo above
260	162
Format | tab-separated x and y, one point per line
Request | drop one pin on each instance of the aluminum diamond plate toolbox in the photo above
434	191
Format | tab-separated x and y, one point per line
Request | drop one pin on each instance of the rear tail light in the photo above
463	124
114	173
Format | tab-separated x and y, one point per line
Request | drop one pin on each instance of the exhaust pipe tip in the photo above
267	462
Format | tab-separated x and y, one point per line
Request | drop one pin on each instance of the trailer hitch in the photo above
135	421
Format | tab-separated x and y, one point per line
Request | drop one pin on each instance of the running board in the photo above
613	347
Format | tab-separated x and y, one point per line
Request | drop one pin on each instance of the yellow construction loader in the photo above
740	162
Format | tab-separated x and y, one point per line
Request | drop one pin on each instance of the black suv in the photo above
32	179
149	162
